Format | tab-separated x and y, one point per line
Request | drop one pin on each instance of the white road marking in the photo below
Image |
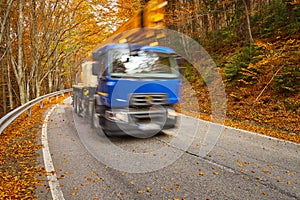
261	135
243	131
51	174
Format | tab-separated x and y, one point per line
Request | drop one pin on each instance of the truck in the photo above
129	88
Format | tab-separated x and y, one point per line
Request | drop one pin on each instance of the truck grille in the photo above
148	115
148	99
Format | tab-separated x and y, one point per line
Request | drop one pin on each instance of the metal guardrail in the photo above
11	116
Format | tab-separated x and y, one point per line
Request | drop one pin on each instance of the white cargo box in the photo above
86	75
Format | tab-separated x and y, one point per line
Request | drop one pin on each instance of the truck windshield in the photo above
139	64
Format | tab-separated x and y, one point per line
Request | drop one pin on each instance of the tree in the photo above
43	41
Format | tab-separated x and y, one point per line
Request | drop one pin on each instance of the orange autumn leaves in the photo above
19	171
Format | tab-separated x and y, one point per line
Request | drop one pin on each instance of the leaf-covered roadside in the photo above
262	95
20	172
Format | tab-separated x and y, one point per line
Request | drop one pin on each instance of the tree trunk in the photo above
5	19
248	21
3	87
9	82
56	79
10	88
50	78
20	70
35	56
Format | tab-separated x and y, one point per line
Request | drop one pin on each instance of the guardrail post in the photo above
29	112
41	104
56	97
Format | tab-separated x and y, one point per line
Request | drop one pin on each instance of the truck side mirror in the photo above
96	68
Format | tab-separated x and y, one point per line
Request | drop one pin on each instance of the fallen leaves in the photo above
132	183
140	191
274	113
148	189
201	173
19	170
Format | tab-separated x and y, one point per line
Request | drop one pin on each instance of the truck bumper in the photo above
133	121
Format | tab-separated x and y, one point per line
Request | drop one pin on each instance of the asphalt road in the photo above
189	162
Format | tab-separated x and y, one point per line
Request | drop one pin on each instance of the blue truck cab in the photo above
138	87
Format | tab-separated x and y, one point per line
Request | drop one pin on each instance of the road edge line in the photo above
55	188
245	131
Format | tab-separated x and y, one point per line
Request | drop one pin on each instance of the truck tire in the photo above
78	105
75	104
95	123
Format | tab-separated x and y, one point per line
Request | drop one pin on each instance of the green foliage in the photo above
273	18
240	66
220	39
294	28
288	80
192	75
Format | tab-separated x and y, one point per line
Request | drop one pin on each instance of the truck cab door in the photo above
99	69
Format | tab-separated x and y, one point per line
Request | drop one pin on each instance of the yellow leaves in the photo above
140	191
97	179
89	179
148	189
201	173
132	182
240	164
266	171
270	166
18	156
266	45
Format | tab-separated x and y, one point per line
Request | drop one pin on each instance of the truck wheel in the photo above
75	104
95	121
94	118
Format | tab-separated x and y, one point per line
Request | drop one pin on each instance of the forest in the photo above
255	44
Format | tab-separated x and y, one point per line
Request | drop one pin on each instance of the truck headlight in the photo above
172	113
122	116
116	116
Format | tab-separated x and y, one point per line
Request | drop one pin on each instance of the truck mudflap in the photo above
136	121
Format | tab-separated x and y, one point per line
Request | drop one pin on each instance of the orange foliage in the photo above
18	155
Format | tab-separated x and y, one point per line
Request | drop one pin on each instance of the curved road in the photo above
175	164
